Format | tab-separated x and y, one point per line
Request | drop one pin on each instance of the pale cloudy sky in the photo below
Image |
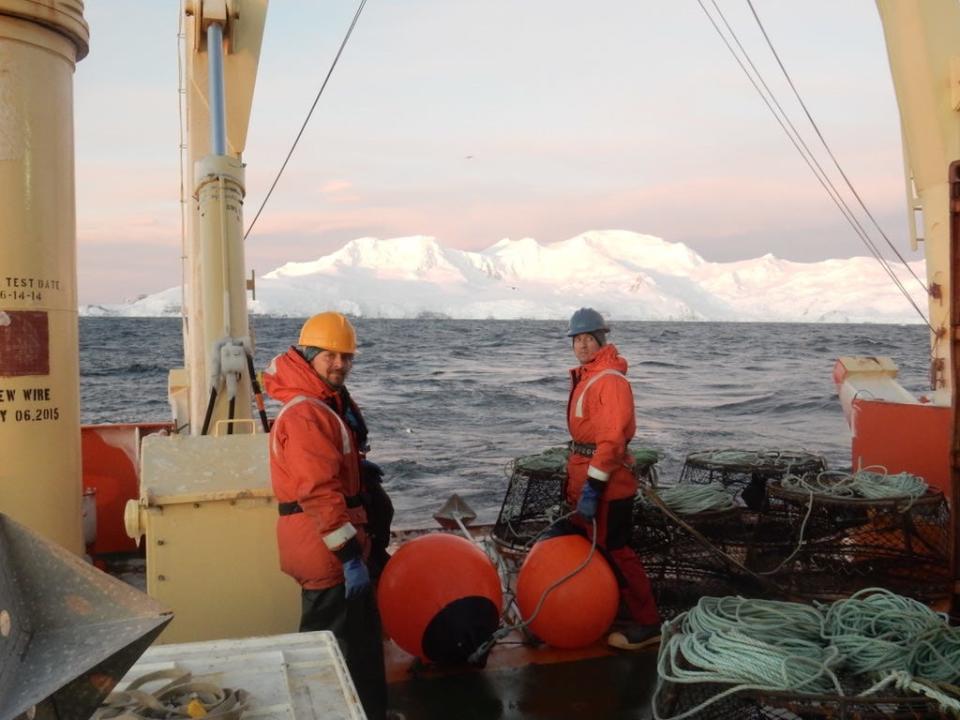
476	120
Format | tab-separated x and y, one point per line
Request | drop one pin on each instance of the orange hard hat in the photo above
330	331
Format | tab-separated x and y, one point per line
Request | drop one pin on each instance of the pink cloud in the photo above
332	187
129	229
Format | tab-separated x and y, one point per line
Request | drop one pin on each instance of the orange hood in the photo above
289	375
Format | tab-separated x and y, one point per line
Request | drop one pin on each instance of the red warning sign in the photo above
24	343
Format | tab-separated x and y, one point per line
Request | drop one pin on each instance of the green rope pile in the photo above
735	457
765	619
551	460
554	460
772	646
644	456
880	631
865	483
748	460
689	498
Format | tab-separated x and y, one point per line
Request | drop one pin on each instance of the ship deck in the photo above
530	683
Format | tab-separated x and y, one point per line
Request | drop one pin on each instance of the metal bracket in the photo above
206	12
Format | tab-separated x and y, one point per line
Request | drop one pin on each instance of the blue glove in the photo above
589	501
370	473
356	577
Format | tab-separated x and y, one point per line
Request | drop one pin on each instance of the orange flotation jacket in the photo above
314	468
600	416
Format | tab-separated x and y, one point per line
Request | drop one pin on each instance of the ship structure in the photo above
193	498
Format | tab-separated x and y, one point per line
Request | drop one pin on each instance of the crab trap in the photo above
747	472
533	500
682	700
838	545
689	555
535	494
688	687
680	579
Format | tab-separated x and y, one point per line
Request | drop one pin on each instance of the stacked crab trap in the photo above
535	494
533	500
865	549
778	525
849	531
764	524
687	539
698	537
745	473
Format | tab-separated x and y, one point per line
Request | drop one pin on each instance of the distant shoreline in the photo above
662	321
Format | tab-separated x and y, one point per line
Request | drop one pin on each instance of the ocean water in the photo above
450	402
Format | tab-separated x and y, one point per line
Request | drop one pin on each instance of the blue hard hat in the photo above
586	320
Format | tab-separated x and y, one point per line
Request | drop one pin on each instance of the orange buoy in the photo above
578	611
440	598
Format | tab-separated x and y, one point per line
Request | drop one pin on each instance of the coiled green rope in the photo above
734	657
689	498
880	630
790	647
864	483
762	620
750	645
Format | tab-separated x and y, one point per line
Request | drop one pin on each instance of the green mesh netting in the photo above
549	461
555	460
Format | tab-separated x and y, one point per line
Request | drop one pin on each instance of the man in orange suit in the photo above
601	483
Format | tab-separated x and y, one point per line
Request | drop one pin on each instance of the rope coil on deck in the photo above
865	483
691	499
772	646
180	697
873	483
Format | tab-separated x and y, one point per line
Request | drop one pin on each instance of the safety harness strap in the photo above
344	433
609	371
337	538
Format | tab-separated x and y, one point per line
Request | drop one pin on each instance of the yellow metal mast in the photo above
206	508
923	42
40	476
223	40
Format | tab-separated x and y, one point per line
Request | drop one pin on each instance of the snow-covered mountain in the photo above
626	275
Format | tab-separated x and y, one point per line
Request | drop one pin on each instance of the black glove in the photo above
370	473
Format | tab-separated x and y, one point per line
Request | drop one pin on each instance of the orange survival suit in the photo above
314	461
600	412
601	420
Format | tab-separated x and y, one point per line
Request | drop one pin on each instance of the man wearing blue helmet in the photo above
600	479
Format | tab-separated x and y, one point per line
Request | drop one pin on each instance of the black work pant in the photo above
356	624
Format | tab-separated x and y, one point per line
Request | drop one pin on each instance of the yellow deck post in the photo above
40	474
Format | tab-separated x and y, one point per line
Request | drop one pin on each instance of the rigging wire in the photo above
805	153
823	141
851	217
798	142
306	120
